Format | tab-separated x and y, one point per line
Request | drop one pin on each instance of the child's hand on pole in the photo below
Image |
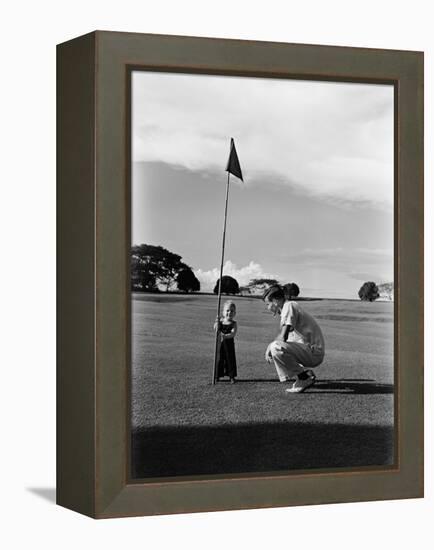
268	356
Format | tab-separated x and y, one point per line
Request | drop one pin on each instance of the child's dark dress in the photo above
227	365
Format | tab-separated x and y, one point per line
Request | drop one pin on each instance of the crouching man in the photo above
299	346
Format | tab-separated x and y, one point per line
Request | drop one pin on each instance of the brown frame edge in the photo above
93	205
75	411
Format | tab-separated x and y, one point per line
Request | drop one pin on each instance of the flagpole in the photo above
217	334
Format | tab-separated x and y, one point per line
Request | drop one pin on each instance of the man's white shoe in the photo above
301	385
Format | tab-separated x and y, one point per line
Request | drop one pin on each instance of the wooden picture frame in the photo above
93	275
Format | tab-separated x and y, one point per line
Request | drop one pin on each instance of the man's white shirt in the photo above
306	329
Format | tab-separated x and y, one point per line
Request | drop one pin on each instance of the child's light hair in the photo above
229	303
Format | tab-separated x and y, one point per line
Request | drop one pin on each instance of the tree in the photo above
257	286
291	290
385	291
263	282
369	292
154	265
187	281
141	276
229	285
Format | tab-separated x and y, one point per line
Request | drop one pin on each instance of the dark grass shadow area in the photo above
248	380
361	387
351	386
182	451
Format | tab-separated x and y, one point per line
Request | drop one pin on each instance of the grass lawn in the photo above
183	425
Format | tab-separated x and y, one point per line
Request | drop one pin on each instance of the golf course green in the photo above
181	424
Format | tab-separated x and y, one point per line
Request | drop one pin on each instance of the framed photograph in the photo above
240	274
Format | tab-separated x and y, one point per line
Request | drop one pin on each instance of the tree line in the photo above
155	267
370	291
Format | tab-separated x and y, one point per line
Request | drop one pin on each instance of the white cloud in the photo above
333	140
243	274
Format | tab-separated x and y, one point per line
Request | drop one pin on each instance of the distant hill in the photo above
386	291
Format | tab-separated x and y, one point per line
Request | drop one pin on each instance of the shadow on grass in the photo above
210	450
351	386
249	380
361	386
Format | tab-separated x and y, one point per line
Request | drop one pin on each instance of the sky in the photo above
316	205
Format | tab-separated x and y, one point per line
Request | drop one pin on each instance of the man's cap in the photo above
268	292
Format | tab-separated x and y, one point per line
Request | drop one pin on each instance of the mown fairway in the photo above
183	425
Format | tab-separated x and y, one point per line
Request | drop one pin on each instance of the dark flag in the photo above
233	165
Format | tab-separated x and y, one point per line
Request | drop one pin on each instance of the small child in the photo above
227	364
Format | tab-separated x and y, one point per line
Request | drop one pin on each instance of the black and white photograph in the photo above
262	275
218	299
